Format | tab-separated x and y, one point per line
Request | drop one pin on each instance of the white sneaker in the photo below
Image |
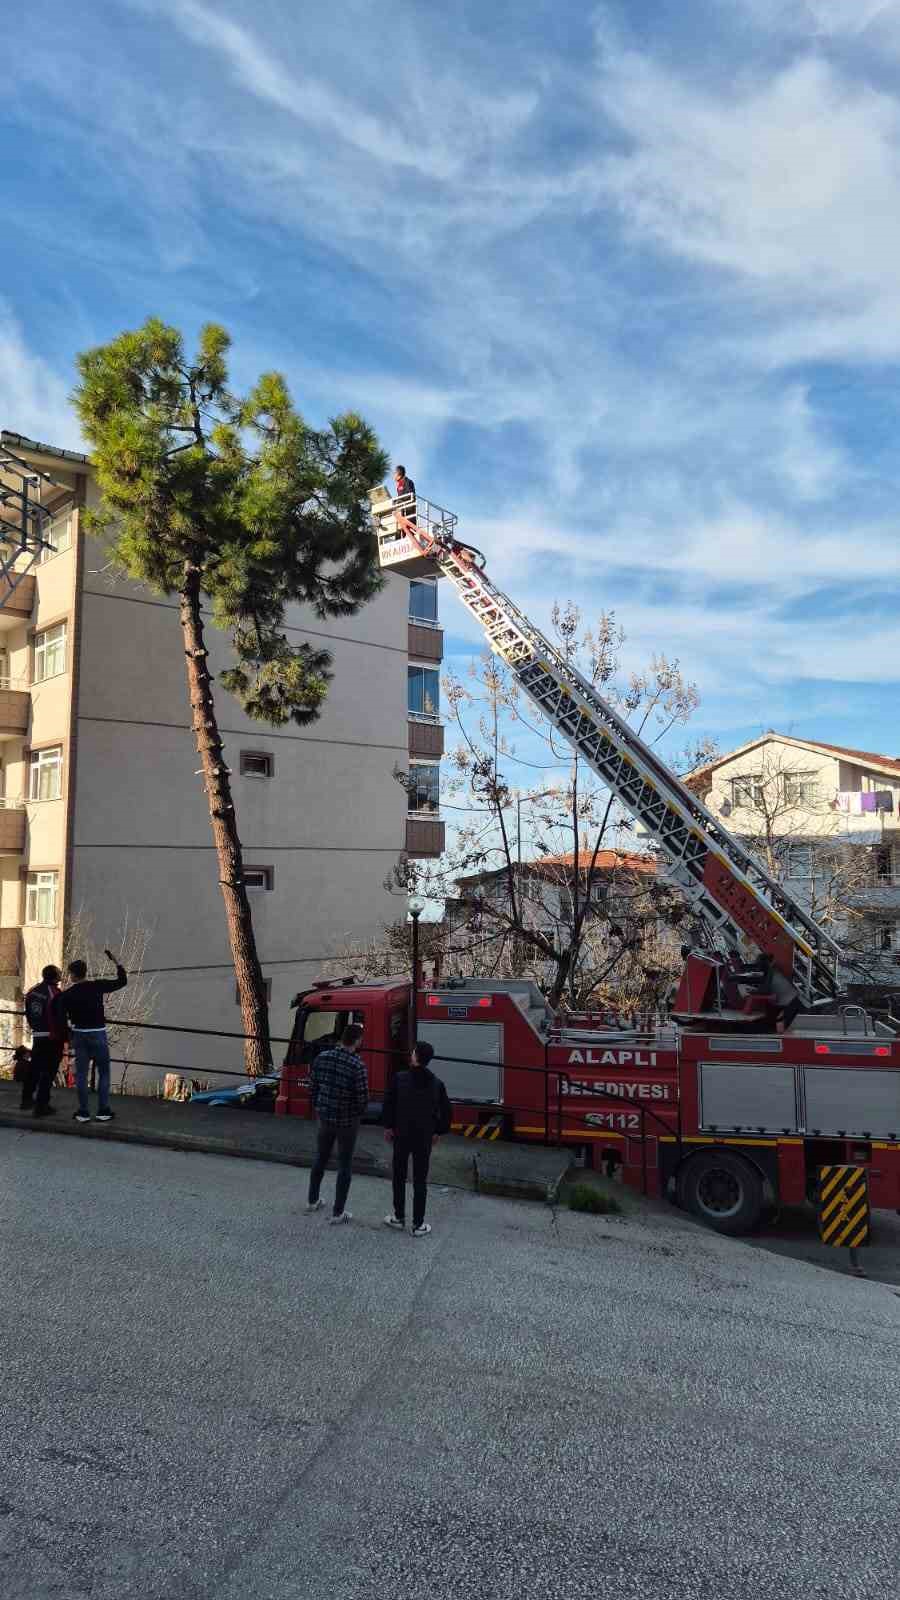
394	1222
314	1205
420	1233
342	1216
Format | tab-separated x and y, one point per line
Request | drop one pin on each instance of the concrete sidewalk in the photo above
527	1172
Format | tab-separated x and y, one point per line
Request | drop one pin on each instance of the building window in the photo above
257	764
50	652
423	602
40	899
887	864
799	862
886	936
801	788
267	982
259	877
58	536
45	782
424	789
748	790
424	691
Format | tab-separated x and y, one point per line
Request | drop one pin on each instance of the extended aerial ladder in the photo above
722	881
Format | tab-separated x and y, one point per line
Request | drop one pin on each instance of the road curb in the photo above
201	1144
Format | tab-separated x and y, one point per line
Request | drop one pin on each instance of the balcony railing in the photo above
424	837
426	738
425	640
9	952
12	827
17	602
15	705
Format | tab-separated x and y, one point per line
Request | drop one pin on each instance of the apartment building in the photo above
826	819
103	819
618	892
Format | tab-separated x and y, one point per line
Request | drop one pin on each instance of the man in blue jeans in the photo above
340	1094
81	1006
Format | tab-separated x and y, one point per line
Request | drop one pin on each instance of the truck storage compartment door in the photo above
467	1056
747	1097
852	1100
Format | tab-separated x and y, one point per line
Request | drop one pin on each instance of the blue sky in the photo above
619	285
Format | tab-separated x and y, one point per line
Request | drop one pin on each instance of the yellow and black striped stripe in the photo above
479	1130
843	1206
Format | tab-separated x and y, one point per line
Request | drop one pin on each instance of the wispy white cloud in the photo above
33	395
789	182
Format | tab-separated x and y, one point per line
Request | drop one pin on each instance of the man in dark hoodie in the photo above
49	1037
416	1112
81	1006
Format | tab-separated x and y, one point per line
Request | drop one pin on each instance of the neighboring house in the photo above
825	819
545	893
102	812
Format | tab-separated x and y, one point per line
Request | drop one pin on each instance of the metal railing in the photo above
556	1112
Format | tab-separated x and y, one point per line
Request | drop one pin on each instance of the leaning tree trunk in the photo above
251	987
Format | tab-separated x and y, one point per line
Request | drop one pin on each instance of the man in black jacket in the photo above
81	1006
416	1112
48	1040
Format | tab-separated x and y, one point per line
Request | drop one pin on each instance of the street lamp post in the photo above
415	906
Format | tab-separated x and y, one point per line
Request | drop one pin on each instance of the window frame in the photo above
750	784
423	715
51	549
413	809
38	761
807	779
796	877
420	584
41	646
268	875
257	755
37	887
887	855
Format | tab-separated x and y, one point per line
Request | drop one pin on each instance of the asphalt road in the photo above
208	1394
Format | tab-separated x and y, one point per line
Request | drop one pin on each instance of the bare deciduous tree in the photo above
130	1008
568	814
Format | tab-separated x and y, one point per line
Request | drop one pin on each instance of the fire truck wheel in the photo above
723	1190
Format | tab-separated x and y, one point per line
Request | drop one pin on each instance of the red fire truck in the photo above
762	1075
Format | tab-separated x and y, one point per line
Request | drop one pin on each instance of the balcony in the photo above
424	837
425	641
16	604
9	952
15	705
12	827
426	738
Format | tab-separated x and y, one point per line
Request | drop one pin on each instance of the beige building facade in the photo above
826	818
104	823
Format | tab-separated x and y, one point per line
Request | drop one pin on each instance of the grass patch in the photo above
584	1197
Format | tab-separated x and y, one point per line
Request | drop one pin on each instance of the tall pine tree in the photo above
237	505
